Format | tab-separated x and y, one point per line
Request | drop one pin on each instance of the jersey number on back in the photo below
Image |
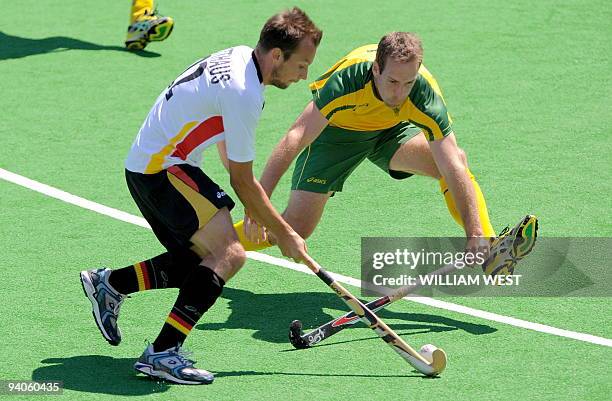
188	78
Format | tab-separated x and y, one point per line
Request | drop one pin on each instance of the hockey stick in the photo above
519	242
300	340
430	361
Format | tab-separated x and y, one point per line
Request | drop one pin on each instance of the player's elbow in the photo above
289	146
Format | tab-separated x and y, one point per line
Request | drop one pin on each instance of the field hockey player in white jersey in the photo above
218	98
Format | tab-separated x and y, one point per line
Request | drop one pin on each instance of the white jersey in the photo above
217	98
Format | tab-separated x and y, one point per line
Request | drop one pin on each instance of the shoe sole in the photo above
502	262
89	291
525	236
157	33
160	32
151	372
136	45
507	268
528	233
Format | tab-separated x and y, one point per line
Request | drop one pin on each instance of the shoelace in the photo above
184	356
153	13
117	306
119	297
496	241
504	231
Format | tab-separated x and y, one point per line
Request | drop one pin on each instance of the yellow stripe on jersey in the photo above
360	111
339	66
434	85
359	55
432	81
422	120
346	96
157	160
344	102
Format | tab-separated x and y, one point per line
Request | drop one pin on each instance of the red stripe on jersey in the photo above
203	132
181	175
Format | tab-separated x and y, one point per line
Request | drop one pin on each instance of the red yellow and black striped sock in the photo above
198	293
162	271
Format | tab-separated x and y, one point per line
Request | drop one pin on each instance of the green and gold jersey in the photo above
345	95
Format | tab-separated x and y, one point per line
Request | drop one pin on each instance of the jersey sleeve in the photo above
240	112
430	109
334	91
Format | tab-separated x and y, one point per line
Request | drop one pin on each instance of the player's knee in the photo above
297	223
236	256
303	229
435	172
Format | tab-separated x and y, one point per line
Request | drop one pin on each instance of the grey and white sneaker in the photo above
172	365
105	301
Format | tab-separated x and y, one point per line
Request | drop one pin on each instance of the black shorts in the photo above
176	202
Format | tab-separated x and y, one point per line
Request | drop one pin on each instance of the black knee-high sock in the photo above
163	271
198	293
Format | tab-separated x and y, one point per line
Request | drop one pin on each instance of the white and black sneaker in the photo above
106	302
172	365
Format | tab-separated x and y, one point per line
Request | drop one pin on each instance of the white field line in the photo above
139	221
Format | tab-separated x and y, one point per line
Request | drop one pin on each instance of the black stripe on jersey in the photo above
188	78
257	67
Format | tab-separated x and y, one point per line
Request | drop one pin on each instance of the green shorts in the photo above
325	164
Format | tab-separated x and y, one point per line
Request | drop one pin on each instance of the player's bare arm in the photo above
255	200
306	128
446	155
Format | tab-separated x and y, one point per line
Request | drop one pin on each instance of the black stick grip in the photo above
325	276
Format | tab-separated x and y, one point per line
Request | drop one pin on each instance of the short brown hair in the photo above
400	46
286	29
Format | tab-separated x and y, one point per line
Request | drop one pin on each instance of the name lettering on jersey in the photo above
219	66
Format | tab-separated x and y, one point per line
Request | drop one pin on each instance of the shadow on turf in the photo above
255	373
115	376
270	315
98	374
13	47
